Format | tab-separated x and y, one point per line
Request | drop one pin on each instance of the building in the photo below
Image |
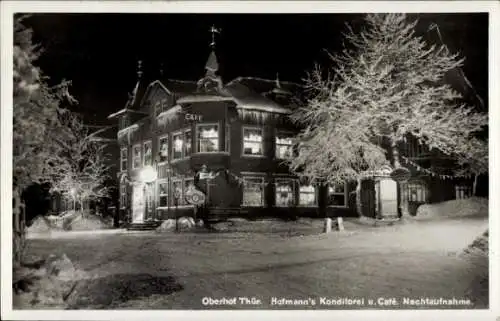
225	143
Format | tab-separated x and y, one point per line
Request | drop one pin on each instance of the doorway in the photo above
138	203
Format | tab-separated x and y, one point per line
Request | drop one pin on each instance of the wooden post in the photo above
328	225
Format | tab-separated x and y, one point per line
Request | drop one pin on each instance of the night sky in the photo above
99	52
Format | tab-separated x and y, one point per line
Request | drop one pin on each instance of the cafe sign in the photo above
193	117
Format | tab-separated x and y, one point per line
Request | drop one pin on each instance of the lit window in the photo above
123	159
284	192
136	156
252	141
148	153
177	191
337	195
307	195
123	196
283	146
463	191
163	148
208	138
253	191
177	145
187	143
162	194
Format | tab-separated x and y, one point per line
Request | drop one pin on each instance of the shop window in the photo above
187	142
163	194
252	141
177	191
284	193
148	153
123	195
208	138
308	195
136	156
283	146
463	191
163	148
337	195
253	191
188	184
123	159
177	145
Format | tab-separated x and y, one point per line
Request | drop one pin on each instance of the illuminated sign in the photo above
193	117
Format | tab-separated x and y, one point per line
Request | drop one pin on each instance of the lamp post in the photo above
168	170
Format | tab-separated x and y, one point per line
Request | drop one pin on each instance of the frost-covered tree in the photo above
36	109
387	84
85	170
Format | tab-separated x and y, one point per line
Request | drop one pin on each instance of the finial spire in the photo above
214	30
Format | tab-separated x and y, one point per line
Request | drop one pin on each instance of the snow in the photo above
470	207
125	130
176	270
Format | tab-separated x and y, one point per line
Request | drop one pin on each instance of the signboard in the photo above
193	117
400	174
194	196
206	175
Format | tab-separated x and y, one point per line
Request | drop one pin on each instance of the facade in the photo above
226	143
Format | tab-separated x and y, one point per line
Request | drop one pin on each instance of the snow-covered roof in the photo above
125	110
247	98
202	98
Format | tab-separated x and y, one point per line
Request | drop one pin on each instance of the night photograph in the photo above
248	161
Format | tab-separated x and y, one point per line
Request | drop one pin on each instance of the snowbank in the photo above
39	225
480	246
88	223
46	283
470	207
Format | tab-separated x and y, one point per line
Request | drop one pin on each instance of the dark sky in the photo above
99	52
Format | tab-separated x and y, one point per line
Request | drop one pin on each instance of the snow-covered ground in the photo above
182	271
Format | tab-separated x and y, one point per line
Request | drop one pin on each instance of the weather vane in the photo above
214	30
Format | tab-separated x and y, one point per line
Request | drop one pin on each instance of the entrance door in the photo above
388	198
138	204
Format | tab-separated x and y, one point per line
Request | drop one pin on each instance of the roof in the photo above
124	111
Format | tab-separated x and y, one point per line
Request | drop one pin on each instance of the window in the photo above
123	159
283	146
337	195
123	195
227	136
208	138
136	156
162	194
307	195
149	198
187	142
177	191
163	148
148	153
284	192
177	145
463	191
416	191
252	141
253	191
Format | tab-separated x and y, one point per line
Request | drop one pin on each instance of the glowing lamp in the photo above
148	174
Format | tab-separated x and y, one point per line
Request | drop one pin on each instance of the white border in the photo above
7	8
